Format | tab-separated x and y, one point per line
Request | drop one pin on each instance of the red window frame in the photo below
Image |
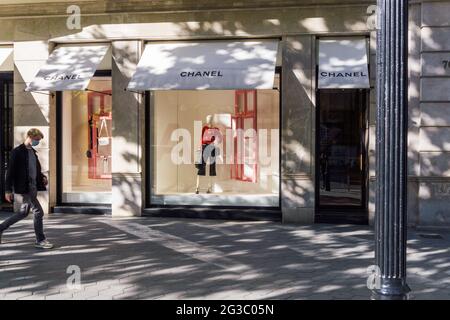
93	120
242	112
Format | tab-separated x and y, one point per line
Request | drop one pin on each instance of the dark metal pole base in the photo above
392	289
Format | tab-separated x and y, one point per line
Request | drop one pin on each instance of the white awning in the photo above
206	65
69	67
343	64
6	60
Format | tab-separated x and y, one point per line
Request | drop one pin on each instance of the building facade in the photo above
287	87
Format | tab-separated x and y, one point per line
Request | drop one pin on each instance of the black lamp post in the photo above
391	143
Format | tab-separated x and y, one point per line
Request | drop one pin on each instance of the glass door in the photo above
342	151
6	120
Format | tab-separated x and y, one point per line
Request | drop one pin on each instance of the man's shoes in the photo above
44	244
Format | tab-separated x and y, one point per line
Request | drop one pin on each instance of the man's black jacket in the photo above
17	176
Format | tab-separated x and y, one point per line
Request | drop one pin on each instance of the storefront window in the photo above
215	148
86	144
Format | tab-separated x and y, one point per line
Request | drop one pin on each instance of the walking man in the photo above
25	179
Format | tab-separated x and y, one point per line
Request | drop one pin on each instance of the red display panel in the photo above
100	135
245	117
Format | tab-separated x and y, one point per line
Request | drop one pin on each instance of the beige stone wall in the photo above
432	122
428	153
334	19
298	129
128	109
297	26
58	7
126	24
414	111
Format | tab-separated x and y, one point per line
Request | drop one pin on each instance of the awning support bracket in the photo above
44	93
132	91
101	92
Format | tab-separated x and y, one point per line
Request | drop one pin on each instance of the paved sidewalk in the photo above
147	258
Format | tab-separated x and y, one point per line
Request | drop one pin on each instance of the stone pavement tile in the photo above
85	294
282	293
364	293
59	296
47	292
152	293
16	295
427	283
124	286
110	292
203	290
100	286
27	286
264	294
327	288
227	294
33	297
169	296
430	294
102	297
6	290
300	296
133	288
362	297
127	278
341	295
126	296
108	282
20	277
324	278
90	285
319	296
277	261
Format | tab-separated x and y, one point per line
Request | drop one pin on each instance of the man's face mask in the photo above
35	143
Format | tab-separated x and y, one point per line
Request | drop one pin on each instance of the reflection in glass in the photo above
341	163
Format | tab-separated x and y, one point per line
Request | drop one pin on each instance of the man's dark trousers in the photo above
27	202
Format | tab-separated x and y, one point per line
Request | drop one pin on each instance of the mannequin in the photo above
211	136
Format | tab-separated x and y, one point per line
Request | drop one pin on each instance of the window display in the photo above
100	122
86	144
215	147
207	152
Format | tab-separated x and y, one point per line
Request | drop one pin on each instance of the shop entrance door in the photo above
341	157
6	139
